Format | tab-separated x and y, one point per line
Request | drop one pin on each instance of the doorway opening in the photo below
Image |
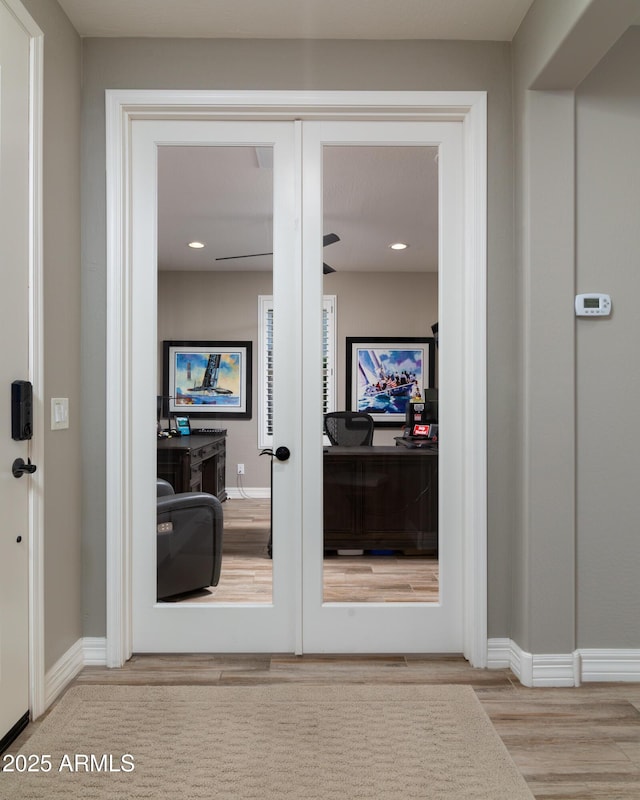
471	112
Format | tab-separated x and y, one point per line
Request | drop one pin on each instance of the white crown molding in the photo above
564	669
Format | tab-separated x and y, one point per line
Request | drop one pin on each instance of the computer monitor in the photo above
430	397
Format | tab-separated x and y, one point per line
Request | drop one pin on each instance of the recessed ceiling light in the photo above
398	246
196	245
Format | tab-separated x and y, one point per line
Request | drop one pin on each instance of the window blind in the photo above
266	377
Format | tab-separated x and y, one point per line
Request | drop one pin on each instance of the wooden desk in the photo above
381	498
195	463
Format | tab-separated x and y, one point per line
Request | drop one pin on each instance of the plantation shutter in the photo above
328	355
265	399
268	378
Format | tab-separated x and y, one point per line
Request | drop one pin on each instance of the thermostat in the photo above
593	305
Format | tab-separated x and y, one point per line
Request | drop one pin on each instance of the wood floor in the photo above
569	744
246	575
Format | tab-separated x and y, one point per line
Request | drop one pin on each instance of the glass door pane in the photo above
381	467
215	245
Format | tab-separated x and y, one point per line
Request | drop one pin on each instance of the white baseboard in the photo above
532	669
499	654
249	493
610	665
563	669
95	651
63	672
84	653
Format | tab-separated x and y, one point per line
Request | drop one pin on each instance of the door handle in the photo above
282	453
19	467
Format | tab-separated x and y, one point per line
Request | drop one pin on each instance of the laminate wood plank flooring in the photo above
246	575
569	744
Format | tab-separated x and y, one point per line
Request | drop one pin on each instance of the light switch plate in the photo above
59	413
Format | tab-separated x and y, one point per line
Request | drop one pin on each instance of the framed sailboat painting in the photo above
207	379
384	373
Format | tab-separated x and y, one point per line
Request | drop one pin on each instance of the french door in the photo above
413	621
298	614
269	626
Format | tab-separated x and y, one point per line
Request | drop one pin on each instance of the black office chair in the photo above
349	428
189	540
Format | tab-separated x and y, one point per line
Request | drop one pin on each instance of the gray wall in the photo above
328	65
556	551
543	612
603	528
223	306
62	468
607	362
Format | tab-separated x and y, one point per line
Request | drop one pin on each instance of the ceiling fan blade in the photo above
247	255
330	238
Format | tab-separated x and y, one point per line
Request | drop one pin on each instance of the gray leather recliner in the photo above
189	540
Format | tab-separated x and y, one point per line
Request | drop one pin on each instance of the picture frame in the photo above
382	373
207	379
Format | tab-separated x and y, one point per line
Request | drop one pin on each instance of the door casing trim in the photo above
125	106
37	694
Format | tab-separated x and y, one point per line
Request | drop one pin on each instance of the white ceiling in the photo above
490	20
372	196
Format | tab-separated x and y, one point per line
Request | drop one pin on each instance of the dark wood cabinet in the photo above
195	463
381	498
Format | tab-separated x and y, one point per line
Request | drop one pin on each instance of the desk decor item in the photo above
208	379
384	373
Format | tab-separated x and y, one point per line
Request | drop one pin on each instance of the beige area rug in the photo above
269	743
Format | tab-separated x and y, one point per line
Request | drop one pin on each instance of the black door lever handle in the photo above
19	467
282	453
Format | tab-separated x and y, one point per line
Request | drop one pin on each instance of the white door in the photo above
430	153
297	616
14	312
270	625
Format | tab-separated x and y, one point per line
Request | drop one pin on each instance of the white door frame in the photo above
122	108
37	693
